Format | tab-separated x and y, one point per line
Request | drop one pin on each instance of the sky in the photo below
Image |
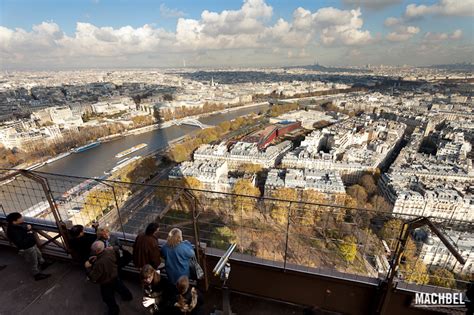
59	34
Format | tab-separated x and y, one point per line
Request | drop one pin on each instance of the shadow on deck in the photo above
68	292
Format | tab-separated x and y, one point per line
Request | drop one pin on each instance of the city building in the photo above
327	182
434	252
242	153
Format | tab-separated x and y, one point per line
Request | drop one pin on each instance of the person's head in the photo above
175	236
77	231
97	247
152	229
149	275
15	218
103	233
182	284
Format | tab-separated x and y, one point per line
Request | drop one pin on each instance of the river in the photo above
95	161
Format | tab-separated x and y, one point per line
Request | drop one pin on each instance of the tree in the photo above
348	248
246	188
98	202
391	230
145	168
310	214
279	209
443	278
222	237
380	204
415	271
250	168
358	192
224	126
368	182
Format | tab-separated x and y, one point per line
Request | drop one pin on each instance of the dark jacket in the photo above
104	269
154	291
189	302
20	236
146	251
81	247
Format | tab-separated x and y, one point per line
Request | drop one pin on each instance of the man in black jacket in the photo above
81	243
22	236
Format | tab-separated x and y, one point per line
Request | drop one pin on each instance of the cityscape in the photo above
323	148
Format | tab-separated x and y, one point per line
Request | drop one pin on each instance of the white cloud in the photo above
166	12
403	33
250	34
434	37
247	28
372	4
442	7
335	26
391	21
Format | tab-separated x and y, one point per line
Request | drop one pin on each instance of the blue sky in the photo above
333	31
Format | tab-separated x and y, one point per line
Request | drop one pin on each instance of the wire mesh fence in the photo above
317	236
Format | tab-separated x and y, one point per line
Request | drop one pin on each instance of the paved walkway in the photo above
68	292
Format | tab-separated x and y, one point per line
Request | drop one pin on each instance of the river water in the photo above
95	161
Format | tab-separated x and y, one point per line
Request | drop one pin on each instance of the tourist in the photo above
178	254
103	269
80	243
22	236
189	299
153	290
146	249
103	234
110	240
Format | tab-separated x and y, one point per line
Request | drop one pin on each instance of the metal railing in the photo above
310	235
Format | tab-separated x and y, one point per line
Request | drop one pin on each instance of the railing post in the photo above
118	211
52	204
116	204
201	258
287	236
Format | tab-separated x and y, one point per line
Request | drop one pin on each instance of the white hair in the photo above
97	247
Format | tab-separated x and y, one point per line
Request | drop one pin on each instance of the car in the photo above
74	210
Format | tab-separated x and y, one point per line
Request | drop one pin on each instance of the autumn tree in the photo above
250	168
380	204
222	237
145	168
391	230
97	202
242	188
442	277
279	209
358	193
310	213
348	248
415	271
368	182
224	126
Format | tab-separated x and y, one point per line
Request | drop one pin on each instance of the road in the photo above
137	211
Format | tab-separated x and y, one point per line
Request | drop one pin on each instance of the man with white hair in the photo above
104	270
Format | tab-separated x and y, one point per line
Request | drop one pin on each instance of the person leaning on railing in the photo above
80	243
110	240
177	254
22	236
146	249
